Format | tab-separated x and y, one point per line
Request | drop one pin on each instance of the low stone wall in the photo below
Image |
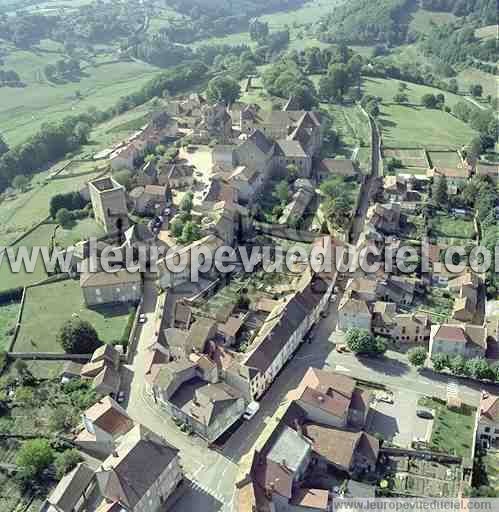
49	356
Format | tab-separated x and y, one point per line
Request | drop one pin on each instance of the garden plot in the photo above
412	159
445	160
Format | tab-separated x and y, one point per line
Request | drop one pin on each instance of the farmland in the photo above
48	306
21	211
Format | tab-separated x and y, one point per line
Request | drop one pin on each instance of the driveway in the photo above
398	422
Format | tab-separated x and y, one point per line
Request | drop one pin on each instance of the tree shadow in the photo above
385	365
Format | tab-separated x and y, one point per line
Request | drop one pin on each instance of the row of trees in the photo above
476	368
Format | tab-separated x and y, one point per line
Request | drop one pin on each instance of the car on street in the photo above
142	318
121	397
251	410
423	413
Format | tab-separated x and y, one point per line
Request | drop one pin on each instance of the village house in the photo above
178	266
141	473
103	425
488	423
175	175
248	181
464	340
385	218
291	152
363	288
353	313
122	286
150	200
401	327
73	490
350	452
331	167
224	157
215	124
294	210
162	128
332	399
456	177
398	289
109	204
103	371
280	337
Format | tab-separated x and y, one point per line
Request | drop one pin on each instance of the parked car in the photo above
251	410
423	413
387	399
142	318
121	397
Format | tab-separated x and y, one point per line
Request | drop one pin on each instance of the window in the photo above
487	429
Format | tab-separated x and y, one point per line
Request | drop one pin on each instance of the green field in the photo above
452	429
444	159
8	315
40	237
21	211
24	110
452	230
418	127
413	160
470	76
412	125
46	309
387	88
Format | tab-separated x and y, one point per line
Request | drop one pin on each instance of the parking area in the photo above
397	422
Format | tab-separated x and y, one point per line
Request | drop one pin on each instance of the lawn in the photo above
451	229
8	315
387	88
491	461
452	428
21	211
445	159
47	307
418	127
412	159
469	76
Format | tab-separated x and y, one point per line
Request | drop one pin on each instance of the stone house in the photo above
224	157
488	422
103	425
332	399
354	313
467	340
151	199
175	175
405	328
141	473
304	194
122	286
291	152
350	452
289	323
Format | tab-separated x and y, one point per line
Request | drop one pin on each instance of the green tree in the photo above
429	100
478	368
401	98
82	132
223	88
440	194
458	365
360	341
187	202
66	461
190	232
440	362
281	192
64	217
78	336
20	182
62	418
123	177
417	356
177	227
34	458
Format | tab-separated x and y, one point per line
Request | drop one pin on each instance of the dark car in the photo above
422	413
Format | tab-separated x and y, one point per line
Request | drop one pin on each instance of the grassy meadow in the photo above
47	307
